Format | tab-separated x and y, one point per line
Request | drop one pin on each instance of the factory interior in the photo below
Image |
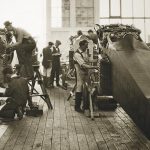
75	75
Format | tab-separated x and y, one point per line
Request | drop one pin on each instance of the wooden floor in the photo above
64	129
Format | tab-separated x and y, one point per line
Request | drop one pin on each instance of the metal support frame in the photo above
34	92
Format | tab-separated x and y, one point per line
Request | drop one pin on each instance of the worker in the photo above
55	64
92	36
81	66
47	63
18	93
24	46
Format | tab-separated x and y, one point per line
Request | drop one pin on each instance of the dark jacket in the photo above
18	90
56	58
94	38
47	57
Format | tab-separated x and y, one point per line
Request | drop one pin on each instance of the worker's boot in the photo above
19	113
30	103
86	105
78	98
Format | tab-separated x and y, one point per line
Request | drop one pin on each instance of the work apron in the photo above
81	77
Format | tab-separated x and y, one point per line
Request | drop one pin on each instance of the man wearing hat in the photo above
47	63
55	63
24	46
18	93
92	36
81	66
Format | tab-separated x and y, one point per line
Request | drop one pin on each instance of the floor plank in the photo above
64	129
47	141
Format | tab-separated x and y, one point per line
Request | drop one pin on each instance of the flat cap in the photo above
7	23
90	30
83	42
50	43
58	42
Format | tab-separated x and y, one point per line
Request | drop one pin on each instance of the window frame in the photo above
110	6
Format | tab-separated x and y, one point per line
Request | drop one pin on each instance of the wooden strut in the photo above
34	92
72	92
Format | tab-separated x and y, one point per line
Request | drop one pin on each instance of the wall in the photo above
82	16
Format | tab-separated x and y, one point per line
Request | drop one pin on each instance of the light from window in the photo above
56	13
104	21
115	21
104	8
126	6
139	23
147	9
115	8
138	8
127	21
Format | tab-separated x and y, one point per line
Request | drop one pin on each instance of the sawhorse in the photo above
34	92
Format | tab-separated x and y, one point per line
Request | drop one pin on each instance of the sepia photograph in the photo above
74	74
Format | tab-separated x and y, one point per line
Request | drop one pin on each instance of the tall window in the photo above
60	13
56	13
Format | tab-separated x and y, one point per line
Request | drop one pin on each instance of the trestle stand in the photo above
34	92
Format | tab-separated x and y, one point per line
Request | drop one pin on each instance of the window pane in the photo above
60	13
104	8
139	23
127	21
138	8
126	4
114	7
147	8
115	21
147	30
104	21
56	13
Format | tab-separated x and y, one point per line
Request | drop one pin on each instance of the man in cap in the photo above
18	91
92	36
24	46
81	66
55	63
47	63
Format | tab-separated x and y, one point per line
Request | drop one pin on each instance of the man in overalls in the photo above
24	46
81	66
47	63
